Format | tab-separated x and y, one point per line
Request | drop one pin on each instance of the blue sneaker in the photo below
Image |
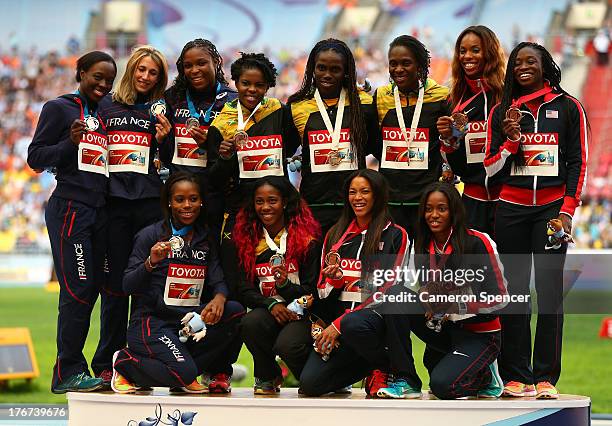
496	387
81	382
399	389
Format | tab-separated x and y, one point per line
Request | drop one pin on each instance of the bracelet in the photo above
283	284
151	266
517	139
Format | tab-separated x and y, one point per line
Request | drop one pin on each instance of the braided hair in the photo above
180	85
357	127
550	72
420	52
254	61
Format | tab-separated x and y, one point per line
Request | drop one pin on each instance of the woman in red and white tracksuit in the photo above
540	156
476	86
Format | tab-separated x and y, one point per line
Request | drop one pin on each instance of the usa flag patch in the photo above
552	113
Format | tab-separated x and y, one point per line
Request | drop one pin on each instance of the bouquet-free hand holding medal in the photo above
333	258
193	326
556	235
317	328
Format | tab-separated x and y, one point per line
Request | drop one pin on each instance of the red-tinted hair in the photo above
302	228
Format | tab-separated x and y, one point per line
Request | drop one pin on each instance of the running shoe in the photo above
399	389
545	390
220	383
107	377
376	380
118	383
194	387
496	387
81	382
267	387
518	390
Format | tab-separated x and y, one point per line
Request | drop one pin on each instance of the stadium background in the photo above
41	40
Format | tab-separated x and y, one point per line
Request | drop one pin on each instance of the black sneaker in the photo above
81	382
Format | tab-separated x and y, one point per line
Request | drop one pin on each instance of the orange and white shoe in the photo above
545	390
194	387
518	390
118	383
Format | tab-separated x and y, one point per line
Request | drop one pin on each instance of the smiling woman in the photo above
174	274
134	185
71	139
408	109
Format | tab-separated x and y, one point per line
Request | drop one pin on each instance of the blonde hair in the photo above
126	93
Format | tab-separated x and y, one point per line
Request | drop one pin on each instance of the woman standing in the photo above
537	145
364	239
467	332
408	109
476	85
173	271
197	96
333	122
247	141
277	240
71	138
135	128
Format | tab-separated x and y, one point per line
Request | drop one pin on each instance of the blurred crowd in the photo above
29	79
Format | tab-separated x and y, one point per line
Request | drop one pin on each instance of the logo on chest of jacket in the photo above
550	113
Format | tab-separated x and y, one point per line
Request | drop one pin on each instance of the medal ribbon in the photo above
283	242
192	109
333	131
446	250
415	117
241	123
180	232
349	229
84	104
524	99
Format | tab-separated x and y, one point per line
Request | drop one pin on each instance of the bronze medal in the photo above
460	121
277	260
334	158
514	114
240	138
332	258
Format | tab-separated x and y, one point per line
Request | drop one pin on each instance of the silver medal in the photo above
158	108
176	242
192	123
91	123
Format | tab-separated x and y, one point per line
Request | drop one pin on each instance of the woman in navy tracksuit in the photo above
166	283
541	160
364	238
199	92
71	139
133	135
476	86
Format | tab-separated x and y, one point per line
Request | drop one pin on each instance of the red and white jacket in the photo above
554	141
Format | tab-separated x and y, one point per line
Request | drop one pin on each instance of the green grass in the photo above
587	369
